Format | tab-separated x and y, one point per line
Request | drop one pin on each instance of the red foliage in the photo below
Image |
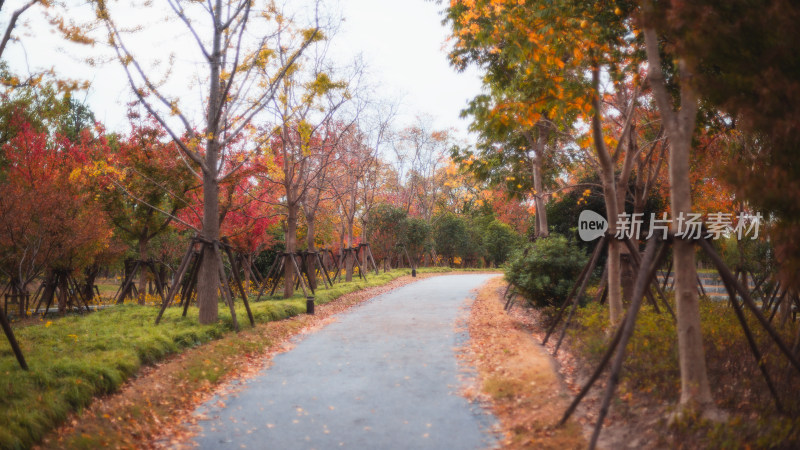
246	208
48	219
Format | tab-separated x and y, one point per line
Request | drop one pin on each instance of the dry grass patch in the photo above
517	375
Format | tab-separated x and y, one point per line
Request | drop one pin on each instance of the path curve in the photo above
383	376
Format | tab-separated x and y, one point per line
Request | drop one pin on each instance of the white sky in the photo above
402	42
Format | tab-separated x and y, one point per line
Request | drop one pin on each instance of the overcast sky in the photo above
402	43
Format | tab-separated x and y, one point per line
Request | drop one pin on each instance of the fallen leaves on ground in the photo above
631	422
515	377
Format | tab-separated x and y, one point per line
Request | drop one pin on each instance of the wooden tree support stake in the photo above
622	335
612	347
585	273
226	291
325	275
189	286
648	266
237	279
275	274
268	280
737	308
579	295
368	256
728	277
128	283
178	277
13	341
662	253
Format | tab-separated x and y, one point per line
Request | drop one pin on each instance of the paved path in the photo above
383	376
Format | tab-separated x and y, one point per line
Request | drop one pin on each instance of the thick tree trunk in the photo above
63	290
625	259
49	288
291	247
695	390
208	281
208	277
694	380
88	288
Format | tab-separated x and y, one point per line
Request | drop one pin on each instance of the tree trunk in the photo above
208	277
785	308
247	262
538	146
291	247
49	289
625	259
311	260
63	290
542	229
208	281
695	390
88	287
694	379
349	261
142	269
615	309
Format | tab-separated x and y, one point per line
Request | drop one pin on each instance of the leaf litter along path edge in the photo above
383	375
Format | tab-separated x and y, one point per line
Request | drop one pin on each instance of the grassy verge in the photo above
651	371
73	359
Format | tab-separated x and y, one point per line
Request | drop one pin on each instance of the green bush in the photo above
545	270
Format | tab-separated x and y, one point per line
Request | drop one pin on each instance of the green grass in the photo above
651	367
75	358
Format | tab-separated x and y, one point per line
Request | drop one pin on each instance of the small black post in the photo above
310	305
413	272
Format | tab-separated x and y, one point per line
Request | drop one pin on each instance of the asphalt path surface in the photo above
384	375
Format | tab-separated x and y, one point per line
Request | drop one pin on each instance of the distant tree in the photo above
356	156
420	152
417	238
238	44
499	240
386	231
144	187
50	221
451	237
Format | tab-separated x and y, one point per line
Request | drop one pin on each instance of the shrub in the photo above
545	270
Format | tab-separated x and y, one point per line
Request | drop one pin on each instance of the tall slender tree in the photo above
237	41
